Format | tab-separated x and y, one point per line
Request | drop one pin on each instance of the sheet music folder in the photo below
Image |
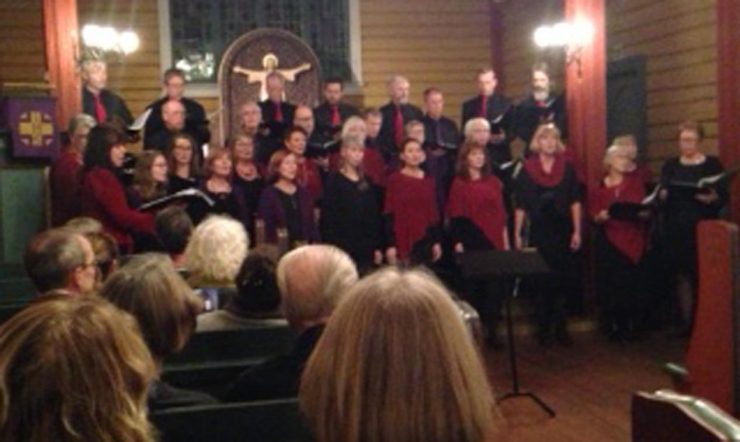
500	263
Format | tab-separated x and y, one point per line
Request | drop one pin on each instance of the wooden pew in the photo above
274	421
669	416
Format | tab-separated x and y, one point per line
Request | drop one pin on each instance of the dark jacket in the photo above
387	135
114	106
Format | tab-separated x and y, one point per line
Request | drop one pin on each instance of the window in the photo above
199	31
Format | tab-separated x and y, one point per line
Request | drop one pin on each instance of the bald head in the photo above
311	281
303	118
173	115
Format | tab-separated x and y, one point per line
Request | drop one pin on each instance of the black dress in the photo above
250	191
350	218
683	211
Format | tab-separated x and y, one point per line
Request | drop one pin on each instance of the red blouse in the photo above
309	176
412	202
481	202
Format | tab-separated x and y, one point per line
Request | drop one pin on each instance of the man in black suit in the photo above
311	280
251	124
440	131
332	113
496	109
397	113
318	145
541	106
99	102
172	115
277	114
196	123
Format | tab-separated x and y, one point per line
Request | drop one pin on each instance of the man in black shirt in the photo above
99	102
541	106
397	113
332	113
496	109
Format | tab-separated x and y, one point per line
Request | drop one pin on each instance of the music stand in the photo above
501	264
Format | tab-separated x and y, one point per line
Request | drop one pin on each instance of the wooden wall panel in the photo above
679	40
432	42
22	48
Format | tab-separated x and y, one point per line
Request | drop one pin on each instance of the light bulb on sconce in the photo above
103	42
572	36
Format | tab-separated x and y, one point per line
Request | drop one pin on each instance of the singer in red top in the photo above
309	174
412	220
621	243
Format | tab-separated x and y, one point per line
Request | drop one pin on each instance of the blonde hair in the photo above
83	225
217	249
543	129
628	144
353	121
73	369
150	288
361	385
311	280
609	155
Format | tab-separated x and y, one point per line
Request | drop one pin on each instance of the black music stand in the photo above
502	264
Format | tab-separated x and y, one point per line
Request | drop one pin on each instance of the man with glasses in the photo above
60	261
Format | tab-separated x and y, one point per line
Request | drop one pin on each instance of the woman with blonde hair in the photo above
73	370
361	385
215	252
548	196
149	288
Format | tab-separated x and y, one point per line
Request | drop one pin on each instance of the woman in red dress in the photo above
309	174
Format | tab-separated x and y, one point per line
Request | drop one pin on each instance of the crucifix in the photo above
270	64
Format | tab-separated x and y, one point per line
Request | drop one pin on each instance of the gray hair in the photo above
51	256
217	248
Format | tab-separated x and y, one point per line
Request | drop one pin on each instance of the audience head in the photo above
434	102
303	118
150	175
478	131
355	127
399	89
251	116
487	81
181	152
541	85
217	249
411	153
106	147
361	384
83	225
173	227
628	144
73	370
94	75
275	85
690	136
174	83
295	139
218	163
312	280
105	249
57	259
283	165
150	289
373	121
242	148
415	129
78	131
333	89
256	287
472	156
546	140
173	115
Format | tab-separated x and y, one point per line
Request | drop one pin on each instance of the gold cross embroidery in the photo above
33	125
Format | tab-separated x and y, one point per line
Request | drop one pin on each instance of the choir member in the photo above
333	112
373	123
183	164
251	124
150	179
196	122
621	244
173	121
350	213
396	114
102	194
497	110
541	106
547	194
684	208
440	132
412	217
308	174
248	176
286	204
64	176
628	144
373	165
99	102
218	186
478	221
276	113
318	147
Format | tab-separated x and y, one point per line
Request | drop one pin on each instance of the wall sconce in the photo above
104	42
573	37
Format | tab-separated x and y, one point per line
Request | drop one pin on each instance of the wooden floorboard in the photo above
589	385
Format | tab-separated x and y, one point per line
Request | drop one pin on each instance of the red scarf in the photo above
534	169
